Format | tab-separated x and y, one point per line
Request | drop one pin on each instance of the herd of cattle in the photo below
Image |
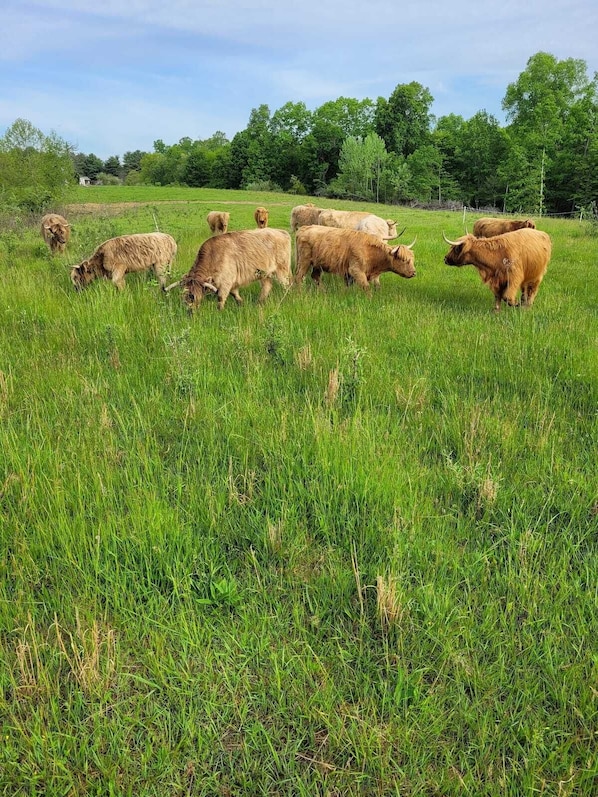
511	256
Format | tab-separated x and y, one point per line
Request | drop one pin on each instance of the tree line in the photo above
393	150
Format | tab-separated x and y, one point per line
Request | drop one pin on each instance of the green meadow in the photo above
335	545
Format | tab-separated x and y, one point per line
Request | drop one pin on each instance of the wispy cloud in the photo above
115	76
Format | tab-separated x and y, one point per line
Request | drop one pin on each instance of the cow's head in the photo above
403	260
82	275
392	230
57	231
193	293
458	254
530	224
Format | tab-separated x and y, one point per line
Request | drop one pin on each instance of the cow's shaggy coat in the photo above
218	221
486	228
56	232
261	217
508	263
227	262
303	215
351	254
385	229
126	254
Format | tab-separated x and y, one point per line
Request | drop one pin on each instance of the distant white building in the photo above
84	180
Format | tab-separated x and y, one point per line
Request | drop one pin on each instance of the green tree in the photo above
197	167
425	169
482	146
404	120
538	106
112	166
361	164
36	170
132	160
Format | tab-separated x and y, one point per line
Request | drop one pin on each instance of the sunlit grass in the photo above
336	544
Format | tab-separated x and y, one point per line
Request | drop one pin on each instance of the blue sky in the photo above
116	75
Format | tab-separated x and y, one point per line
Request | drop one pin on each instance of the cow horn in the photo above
210	287
450	243
398	235
170	287
412	244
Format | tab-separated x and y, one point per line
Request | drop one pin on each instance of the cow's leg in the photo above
236	296
223	292
266	288
529	292
358	275
118	277
303	264
316	275
510	294
160	272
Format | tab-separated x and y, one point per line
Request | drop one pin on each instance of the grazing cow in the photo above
56	232
303	215
350	254
227	262
125	254
507	263
261	217
486	228
218	221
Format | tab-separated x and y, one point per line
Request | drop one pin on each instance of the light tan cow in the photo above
127	254
56	232
302	215
385	229
261	217
354	255
508	263
228	262
218	221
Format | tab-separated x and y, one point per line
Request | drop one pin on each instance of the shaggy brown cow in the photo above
350	254
218	221
486	228
509	263
303	215
261	217
56	232
227	262
125	254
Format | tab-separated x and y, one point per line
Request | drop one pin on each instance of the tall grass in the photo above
336	544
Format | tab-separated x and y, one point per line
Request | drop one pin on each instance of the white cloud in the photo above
119	75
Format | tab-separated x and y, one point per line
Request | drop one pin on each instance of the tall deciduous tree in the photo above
36	170
361	165
538	106
404	120
482	147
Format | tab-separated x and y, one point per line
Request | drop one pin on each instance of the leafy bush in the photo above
36	170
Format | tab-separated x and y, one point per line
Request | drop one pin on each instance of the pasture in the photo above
336	544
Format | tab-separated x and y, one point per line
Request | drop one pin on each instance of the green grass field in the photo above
332	545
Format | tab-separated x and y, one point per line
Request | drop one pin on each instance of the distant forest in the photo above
543	161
